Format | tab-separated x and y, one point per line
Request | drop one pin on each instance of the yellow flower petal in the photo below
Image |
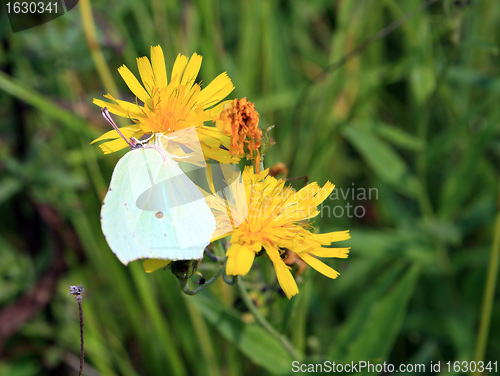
146	73
240	259
129	131
113	108
112	146
133	84
150	265
285	278
192	70
216	91
133	110
319	266
214	111
159	69
330	237
323	193
178	69
190	101
330	252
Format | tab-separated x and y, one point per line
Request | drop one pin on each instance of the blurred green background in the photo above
413	115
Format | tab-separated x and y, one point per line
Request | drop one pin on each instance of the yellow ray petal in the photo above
214	111
133	109
330	252
330	237
112	146
232	255
244	261
217	90
319	266
146	73
285	278
113	108
308	191
133	84
210	136
192	69
219	155
239	259
159	69
191	98
323	193
129	131
150	265
178	69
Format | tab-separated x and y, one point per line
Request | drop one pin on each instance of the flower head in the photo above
240	121
276	223
170	106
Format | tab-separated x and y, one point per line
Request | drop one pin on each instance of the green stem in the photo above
231	281
489	292
185	285
79	300
77	292
264	323
261	164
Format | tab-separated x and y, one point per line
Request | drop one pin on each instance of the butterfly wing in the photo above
140	217
118	215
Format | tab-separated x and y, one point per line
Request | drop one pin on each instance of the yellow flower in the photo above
276	223
170	106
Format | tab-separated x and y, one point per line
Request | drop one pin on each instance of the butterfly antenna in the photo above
132	142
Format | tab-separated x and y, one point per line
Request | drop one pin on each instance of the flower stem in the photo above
265	324
79	300
231	281
185	284
489	292
77	292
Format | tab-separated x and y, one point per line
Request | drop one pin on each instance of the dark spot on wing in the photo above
159	214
